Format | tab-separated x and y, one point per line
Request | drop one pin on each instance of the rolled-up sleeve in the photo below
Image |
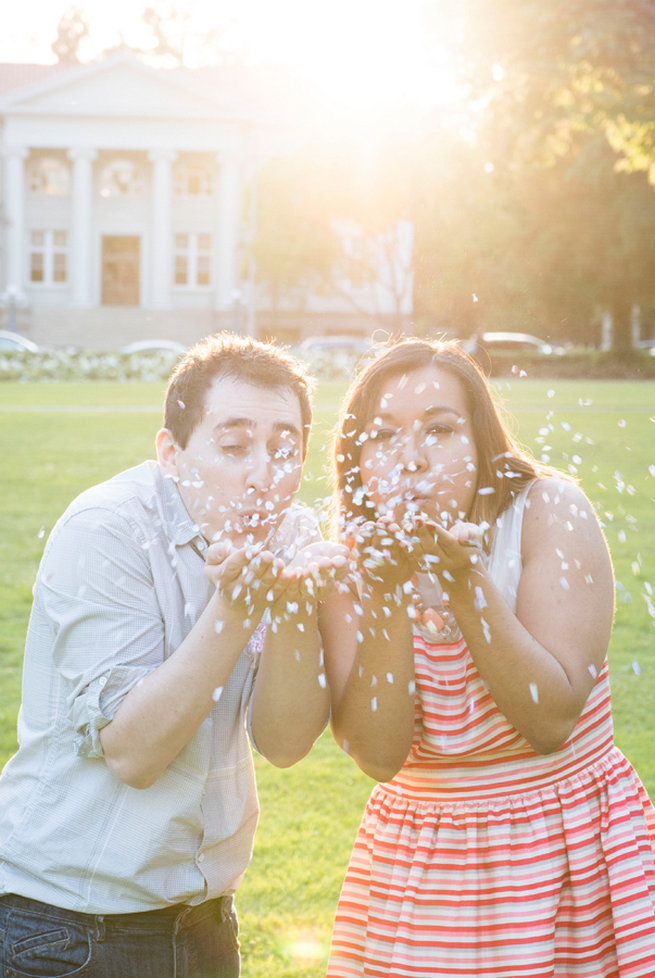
96	592
95	706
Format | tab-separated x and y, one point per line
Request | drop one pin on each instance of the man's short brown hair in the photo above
229	355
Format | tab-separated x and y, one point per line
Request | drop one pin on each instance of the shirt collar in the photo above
181	527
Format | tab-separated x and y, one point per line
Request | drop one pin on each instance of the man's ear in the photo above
166	451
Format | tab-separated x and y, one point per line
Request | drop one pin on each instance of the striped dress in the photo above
483	858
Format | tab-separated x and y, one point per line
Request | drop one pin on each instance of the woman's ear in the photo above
166	451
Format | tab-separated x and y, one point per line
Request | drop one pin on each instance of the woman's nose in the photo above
413	455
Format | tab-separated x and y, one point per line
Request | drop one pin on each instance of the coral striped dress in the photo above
483	858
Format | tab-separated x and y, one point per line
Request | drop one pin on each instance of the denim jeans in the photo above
41	941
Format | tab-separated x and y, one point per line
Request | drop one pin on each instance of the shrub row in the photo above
90	365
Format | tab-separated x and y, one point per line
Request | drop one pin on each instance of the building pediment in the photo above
119	85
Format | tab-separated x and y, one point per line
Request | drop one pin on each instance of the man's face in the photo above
242	465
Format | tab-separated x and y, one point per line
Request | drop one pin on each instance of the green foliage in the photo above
295	245
329	220
548	70
57	439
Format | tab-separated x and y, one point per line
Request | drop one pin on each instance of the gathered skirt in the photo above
558	881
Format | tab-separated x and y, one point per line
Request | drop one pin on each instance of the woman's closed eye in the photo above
383	434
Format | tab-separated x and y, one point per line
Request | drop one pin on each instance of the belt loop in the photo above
100	928
179	920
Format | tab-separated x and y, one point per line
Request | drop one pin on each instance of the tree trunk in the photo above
622	324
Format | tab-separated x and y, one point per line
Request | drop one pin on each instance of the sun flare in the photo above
363	54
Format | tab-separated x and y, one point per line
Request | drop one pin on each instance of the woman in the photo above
468	675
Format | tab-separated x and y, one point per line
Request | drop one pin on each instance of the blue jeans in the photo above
41	941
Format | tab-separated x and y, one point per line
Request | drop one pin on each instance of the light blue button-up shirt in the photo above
120	585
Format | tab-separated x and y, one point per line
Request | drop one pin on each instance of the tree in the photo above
72	29
329	222
177	40
547	70
562	98
295	248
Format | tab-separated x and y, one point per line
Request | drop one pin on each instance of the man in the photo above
174	607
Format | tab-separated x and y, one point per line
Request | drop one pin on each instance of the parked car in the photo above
521	342
154	346
14	341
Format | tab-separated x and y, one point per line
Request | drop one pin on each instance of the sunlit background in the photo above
363	52
488	165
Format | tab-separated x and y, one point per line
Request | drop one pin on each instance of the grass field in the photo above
58	439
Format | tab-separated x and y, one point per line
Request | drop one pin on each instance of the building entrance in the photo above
120	270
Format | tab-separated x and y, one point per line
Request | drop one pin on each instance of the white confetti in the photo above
534	692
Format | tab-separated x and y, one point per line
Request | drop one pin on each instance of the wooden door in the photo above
120	270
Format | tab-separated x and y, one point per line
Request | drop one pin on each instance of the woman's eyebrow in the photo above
427	413
441	409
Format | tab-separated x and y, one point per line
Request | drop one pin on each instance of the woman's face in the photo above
418	454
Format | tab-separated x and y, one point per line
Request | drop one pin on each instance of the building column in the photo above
227	234
14	198
82	158
162	227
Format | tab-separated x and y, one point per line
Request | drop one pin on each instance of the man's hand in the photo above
254	578
314	572
248	578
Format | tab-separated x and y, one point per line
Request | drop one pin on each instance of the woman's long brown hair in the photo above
504	468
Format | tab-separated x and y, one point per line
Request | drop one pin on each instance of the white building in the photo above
122	205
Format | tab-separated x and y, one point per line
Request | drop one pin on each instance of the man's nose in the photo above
260	470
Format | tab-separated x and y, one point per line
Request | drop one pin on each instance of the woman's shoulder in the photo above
556	494
557	509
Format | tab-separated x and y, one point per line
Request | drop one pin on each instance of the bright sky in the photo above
363	51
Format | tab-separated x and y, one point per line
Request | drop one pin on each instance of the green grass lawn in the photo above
57	439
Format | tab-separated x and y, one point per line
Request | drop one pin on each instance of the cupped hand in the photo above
248	577
386	554
456	551
314	571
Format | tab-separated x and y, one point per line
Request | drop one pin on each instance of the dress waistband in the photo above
444	780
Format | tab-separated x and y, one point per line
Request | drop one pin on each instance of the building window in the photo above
48	257
193	259
121	178
193	180
48	175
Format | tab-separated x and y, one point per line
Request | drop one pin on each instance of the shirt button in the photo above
102	681
201	857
